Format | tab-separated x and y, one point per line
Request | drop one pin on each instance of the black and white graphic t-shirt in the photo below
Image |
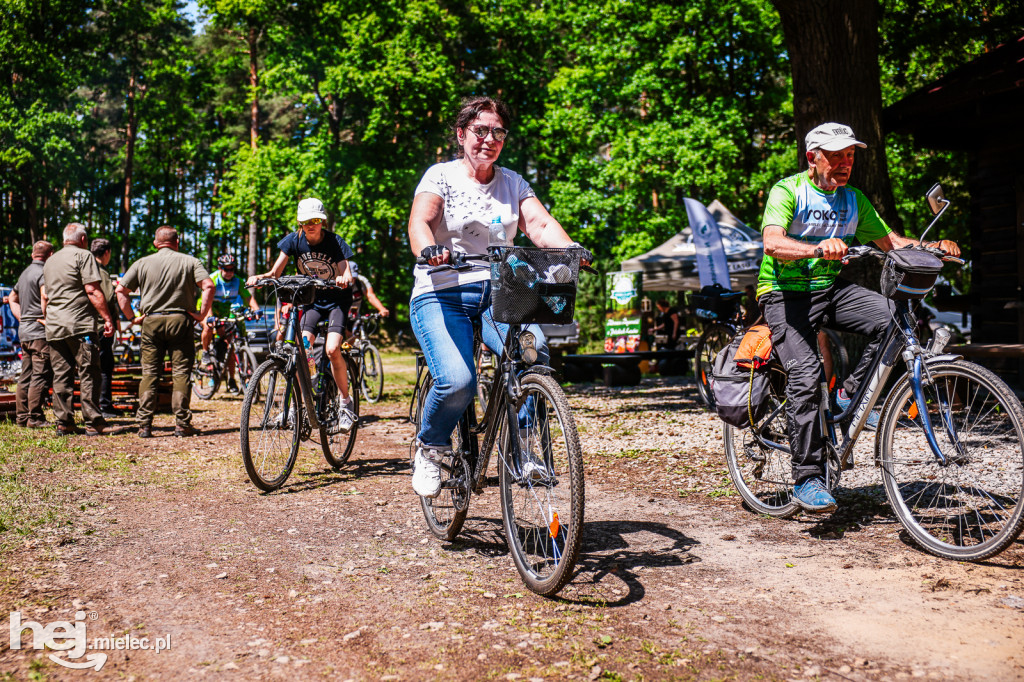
318	261
469	210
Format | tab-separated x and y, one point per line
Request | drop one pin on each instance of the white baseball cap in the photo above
831	137
311	208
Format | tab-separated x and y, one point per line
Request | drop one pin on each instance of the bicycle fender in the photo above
945	357
540	369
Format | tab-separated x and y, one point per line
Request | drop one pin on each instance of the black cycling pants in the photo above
795	318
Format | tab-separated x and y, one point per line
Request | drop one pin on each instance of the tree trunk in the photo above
833	51
124	220
254	132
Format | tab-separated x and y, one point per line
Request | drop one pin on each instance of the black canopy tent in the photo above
672	266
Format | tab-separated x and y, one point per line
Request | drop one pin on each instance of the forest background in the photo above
217	118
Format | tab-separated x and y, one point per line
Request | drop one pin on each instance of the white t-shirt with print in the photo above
469	209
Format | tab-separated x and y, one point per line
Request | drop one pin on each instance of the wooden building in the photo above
979	109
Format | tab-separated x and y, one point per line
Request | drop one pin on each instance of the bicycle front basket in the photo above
909	274
534	286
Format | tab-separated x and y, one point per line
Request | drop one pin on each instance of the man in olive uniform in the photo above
167	281
27	305
100	249
73	305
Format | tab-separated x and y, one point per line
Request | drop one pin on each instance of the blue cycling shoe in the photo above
842	403
812	495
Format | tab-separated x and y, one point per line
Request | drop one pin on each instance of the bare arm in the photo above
896	241
99	302
781	246
206	303
375	302
125	303
275	271
538	225
12	300
343	274
424	219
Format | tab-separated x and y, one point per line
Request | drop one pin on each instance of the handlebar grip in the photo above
587	268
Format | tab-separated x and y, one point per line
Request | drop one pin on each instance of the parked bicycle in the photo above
723	320
949	441
527	422
228	345
285	406
371	378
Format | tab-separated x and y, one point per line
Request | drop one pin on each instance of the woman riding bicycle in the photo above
455	204
323	254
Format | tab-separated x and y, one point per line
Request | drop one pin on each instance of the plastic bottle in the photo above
309	360
496	232
557	274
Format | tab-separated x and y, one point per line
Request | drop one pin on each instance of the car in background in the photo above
564	338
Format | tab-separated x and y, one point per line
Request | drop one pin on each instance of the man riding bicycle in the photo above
323	254
227	297
810	221
362	290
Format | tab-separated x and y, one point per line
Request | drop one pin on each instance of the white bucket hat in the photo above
831	137
309	209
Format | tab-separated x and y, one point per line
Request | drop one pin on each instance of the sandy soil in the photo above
336	575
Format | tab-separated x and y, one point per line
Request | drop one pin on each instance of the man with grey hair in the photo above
167	282
810	221
73	306
27	305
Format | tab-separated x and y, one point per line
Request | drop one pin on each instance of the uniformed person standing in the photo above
27	306
73	305
167	281
100	249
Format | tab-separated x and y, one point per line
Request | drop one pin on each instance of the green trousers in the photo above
167	335
68	356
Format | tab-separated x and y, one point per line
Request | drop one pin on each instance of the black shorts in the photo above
312	315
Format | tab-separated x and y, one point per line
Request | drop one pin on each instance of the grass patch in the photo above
30	496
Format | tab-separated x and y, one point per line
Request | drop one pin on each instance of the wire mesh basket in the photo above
534	286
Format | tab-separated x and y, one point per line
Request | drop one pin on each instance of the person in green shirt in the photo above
810	221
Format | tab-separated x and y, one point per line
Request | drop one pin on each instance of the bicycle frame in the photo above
294	355
900	341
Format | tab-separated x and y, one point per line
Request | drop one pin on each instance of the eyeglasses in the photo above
229	268
481	132
311	222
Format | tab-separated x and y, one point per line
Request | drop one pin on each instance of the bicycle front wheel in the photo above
715	337
446	513
968	508
271	424
542	488
372	383
205	378
763	475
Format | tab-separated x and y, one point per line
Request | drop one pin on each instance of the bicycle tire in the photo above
419	395
543	513
763	476
446	514
372	377
487	369
205	380
971	508
840	361
714	338
337	447
267	457
246	366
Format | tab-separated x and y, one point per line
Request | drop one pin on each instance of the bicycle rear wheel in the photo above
486	370
969	508
763	475
542	487
372	383
270	426
715	337
246	366
835	359
337	447
446	513
205	378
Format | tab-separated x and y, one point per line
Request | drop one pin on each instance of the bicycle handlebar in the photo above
297	282
459	262
856	252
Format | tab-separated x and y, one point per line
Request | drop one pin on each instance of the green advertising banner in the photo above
622	312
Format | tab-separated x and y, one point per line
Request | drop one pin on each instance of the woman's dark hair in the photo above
472	107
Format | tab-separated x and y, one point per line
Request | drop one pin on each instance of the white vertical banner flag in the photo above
711	262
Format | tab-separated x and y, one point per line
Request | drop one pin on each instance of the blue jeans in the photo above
443	324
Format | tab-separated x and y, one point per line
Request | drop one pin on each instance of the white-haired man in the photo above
810	221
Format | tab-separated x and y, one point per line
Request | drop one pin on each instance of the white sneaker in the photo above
532	467
346	419
426	470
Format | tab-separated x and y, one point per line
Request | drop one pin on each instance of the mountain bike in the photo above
949	441
227	344
371	379
527	423
285	406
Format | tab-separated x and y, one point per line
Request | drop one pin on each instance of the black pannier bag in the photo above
739	393
909	274
709	304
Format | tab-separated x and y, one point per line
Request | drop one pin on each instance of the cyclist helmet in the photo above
354	268
227	261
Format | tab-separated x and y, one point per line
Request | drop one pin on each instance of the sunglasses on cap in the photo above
481	132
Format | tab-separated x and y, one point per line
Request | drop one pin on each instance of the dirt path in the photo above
335	575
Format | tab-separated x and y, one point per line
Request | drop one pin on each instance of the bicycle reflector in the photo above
528	346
